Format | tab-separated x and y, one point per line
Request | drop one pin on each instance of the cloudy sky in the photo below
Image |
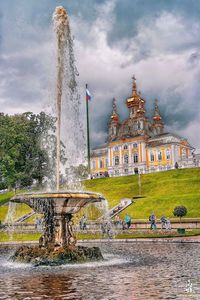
158	41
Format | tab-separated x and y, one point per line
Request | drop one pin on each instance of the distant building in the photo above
140	144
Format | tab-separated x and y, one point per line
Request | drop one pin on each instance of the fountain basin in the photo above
68	202
57	208
57	244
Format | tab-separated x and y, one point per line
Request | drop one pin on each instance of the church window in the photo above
100	164
152	156
125	147
126	171
135	157
135	145
168	154
93	164
116	148
126	159
116	160
106	161
183	152
159	155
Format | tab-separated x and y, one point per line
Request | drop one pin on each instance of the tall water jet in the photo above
61	25
58	240
69	124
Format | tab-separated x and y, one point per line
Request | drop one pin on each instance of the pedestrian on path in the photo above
127	221
83	223
152	220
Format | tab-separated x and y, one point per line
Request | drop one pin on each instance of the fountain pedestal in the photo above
63	234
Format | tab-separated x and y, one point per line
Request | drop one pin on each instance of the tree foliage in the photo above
22	158
180	211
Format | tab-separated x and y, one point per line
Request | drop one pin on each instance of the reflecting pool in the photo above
130	271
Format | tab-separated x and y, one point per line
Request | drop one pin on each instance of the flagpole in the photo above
88	135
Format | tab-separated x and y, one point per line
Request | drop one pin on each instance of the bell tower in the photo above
158	125
114	122
135	103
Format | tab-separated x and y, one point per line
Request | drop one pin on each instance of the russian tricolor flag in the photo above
88	95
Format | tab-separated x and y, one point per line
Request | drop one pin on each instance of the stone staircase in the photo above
24	217
123	204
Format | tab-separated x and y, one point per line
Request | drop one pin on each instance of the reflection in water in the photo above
135	271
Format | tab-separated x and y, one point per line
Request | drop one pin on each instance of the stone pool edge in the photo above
136	240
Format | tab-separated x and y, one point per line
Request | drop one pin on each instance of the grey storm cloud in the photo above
158	41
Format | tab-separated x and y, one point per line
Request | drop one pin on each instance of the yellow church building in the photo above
139	144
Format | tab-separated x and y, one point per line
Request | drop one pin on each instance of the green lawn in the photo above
21	209
4	237
5	197
163	191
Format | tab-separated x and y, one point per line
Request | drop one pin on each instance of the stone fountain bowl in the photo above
68	202
57	244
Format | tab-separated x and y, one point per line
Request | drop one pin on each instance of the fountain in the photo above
58	243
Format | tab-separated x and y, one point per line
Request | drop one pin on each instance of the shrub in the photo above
180	211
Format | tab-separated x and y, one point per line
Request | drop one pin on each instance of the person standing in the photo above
117	221
127	221
83	223
163	222
152	220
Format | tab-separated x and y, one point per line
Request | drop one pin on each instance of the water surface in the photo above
130	271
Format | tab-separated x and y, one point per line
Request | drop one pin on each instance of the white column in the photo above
129	154
143	152
140	159
173	155
109	162
120	155
111	151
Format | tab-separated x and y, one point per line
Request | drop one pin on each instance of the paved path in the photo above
186	239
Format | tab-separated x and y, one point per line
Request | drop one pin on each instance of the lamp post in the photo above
139	183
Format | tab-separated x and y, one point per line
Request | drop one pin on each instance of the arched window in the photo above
152	156
135	157
116	160
159	155
184	152
100	164
125	147
168	154
116	148
106	161
116	172
135	145
126	159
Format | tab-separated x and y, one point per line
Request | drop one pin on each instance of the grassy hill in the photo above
163	191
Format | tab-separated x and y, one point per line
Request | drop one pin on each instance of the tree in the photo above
180	211
23	159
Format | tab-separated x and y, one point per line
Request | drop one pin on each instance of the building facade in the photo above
139	144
